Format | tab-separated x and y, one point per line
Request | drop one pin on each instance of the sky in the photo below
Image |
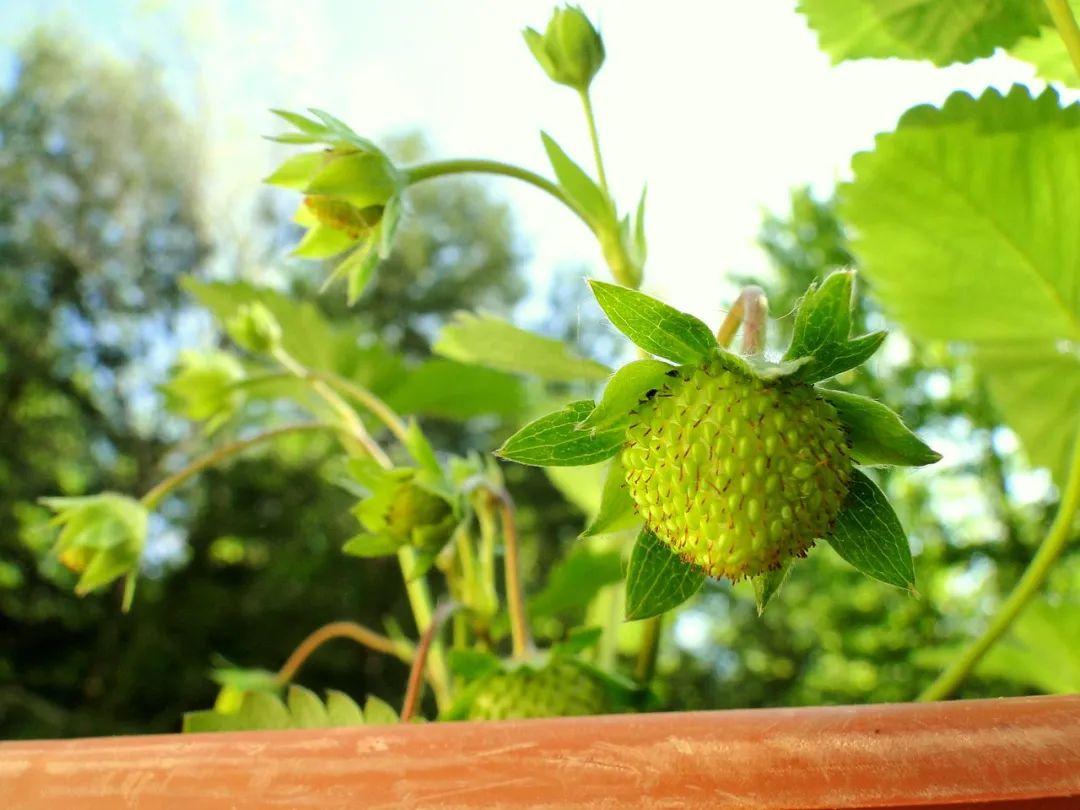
720	107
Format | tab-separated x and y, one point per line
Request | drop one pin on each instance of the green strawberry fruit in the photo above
559	689
418	516
733	473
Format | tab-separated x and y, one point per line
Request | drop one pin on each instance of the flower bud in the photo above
254	328
344	216
203	387
570	50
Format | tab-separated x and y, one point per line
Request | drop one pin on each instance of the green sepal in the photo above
654	326
626	388
617	511
876	434
555	441
579	187
373	545
658	579
768	585
823	330
868	535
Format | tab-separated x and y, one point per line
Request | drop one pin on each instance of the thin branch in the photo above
383	412
416	679
515	594
401	650
1067	29
1056	537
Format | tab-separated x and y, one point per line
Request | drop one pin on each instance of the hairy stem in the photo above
423	652
401	650
1056	537
1067	29
223	453
594	137
442	168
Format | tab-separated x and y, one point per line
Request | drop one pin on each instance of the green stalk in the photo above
1065	22
443	168
1051	547
594	137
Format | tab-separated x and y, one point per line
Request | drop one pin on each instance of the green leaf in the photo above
472	664
625	390
943	31
259	711
555	441
823	328
868	535
296	171
767	585
373	545
617	510
1046	51
1042	648
492	342
574	582
358	268
876	434
421	450
450	390
388	226
361	178
378	712
653	325
306	709
578	186
966	221
341	710
322	242
658	579
578	640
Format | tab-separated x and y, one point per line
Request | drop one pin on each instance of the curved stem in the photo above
416	674
351	630
154	495
379	409
1040	565
515	593
1067	29
750	307
594	137
442	168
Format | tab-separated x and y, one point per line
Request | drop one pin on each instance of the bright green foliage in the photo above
577	184
555	440
1047	53
203	387
254	328
869	536
492	342
961	246
101	537
264	711
570	50
875	434
627	387
734	474
616	510
558	689
658	578
942	31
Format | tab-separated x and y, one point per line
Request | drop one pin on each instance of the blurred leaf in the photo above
472	664
658	579
361	179
943	31
653	325
341	710
373	545
1042	649
296	170
378	712
1046	51
868	535
259	711
823	328
575	581
492	342
616	511
323	242
876	434
554	440
962	246
581	486
625	390
306	709
578	186
451	390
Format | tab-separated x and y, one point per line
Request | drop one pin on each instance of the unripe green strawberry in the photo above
735	474
559	689
419	517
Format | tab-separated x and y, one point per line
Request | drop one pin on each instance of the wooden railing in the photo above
1009	753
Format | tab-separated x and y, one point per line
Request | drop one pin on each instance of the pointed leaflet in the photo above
361	179
768	585
868	535
492	342
876	434
943	31
555	441
658	579
967	222
617	510
823	328
653	325
578	186
626	388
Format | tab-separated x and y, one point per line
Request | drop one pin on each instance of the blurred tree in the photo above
833	636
